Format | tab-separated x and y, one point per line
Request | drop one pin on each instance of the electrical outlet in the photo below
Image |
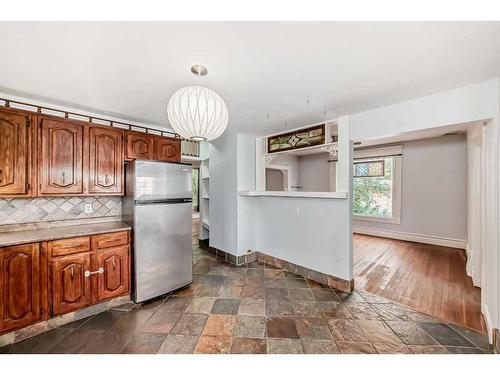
296	210
88	208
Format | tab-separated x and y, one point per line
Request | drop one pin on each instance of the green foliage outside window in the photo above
372	196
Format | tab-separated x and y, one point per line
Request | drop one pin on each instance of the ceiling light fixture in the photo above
196	112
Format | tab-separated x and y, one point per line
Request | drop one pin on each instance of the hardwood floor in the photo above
428	278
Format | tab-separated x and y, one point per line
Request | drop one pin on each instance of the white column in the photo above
344	176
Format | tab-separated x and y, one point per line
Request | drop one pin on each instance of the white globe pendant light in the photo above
196	112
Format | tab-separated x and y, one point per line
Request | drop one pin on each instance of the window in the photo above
376	189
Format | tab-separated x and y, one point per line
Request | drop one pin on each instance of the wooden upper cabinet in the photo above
20	286
168	149
14	153
60	164
106	162
70	283
140	146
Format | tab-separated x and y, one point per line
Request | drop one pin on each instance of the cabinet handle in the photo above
114	266
106	179
1	176
63	177
88	273
72	273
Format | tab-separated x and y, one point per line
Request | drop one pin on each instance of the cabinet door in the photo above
14	154
60	157
168	149
114	277
140	146
70	284
20	286
106	161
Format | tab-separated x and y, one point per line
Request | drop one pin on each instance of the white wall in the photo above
311	232
472	103
314	172
433	190
465	104
223	193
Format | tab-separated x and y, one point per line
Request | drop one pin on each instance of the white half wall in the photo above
311	232
433	193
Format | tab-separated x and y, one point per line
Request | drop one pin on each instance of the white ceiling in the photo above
131	69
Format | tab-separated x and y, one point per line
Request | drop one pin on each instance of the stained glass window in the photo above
297	139
374	168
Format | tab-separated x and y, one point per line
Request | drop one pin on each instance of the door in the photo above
157	181
168	149
14	153
140	146
60	157
106	161
20	286
114	273
70	283
163	259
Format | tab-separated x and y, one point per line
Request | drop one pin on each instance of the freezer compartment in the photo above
158	181
163	255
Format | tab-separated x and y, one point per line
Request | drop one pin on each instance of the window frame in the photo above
394	152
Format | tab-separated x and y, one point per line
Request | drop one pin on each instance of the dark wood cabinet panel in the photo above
106	165
20	286
69	246
167	149
102	241
139	146
70	283
60	157
114	273
14	153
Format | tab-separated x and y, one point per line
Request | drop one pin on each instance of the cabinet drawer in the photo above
103	241
69	246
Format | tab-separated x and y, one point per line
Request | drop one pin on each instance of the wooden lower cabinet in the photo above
21	286
85	270
70	283
61	276
114	273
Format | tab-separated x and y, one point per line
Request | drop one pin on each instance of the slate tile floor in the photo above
257	309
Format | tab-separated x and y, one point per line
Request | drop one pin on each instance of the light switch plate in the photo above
88	208
296	210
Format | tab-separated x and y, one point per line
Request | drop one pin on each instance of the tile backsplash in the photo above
29	210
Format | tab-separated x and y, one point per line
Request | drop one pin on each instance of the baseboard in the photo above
337	283
412	237
487	320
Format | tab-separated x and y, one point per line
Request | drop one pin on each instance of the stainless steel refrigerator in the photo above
158	206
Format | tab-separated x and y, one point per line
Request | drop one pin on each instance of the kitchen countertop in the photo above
20	237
